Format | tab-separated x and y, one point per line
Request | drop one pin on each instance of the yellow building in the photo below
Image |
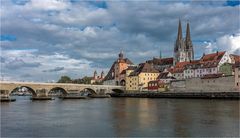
137	79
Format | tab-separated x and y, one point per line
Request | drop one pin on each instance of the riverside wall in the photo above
222	84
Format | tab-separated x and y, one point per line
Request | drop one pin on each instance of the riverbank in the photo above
190	95
7	99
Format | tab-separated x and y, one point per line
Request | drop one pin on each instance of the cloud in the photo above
228	43
47	4
84	36
19	63
54	70
26	75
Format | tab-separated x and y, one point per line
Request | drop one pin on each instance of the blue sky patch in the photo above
99	4
20	2
232	3
8	37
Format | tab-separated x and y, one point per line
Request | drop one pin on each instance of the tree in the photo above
86	80
64	79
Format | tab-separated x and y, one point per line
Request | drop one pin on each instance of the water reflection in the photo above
119	117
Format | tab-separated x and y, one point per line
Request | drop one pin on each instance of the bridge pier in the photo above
5	96
41	94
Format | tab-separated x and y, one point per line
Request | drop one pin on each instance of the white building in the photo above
208	64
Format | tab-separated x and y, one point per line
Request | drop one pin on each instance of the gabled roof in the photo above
178	70
144	68
161	61
213	56
179	67
164	75
181	64
109	75
236	58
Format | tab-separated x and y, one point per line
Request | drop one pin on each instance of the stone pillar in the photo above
4	93
42	93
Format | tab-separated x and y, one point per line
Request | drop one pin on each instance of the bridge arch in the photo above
33	92
118	90
59	90
89	91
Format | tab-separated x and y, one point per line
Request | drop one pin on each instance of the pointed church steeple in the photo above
178	43
188	36
179	37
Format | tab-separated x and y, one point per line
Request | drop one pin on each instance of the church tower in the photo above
183	49
188	44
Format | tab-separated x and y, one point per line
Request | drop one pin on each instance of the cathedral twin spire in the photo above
188	36
183	50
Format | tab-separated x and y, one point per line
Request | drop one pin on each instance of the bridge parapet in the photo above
43	89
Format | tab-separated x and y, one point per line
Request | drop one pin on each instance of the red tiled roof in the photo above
213	56
236	58
181	64
161	61
126	60
178	70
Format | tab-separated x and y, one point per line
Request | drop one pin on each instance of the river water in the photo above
119	117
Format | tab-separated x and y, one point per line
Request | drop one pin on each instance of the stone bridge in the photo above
43	89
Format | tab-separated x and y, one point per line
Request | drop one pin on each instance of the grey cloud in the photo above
54	70
2	59
19	63
26	75
140	29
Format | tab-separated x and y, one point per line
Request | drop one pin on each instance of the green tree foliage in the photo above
84	80
64	79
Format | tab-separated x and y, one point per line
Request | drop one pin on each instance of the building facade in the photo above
161	63
237	75
97	79
138	79
116	74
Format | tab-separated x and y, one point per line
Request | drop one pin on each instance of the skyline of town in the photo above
46	45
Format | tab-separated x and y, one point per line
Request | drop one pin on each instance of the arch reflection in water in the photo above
23	91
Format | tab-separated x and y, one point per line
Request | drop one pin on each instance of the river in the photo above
120	117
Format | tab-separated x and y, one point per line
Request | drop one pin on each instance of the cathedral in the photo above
183	49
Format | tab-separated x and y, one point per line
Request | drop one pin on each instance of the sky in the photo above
42	40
